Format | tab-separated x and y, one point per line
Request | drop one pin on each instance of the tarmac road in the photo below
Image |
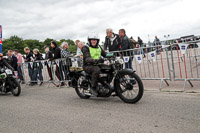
54	110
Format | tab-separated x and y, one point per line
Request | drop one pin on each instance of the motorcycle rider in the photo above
91	57
3	62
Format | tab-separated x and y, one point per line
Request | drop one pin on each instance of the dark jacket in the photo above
37	64
4	62
14	62
29	56
87	60
125	43
112	45
56	52
49	55
140	42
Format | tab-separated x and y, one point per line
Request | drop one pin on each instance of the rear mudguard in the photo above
75	76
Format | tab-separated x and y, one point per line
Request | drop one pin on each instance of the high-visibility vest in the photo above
95	53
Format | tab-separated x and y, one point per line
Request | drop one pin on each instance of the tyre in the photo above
82	88
16	88
128	86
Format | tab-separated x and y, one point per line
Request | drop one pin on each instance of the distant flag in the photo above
183	47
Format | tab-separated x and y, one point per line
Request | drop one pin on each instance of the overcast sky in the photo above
75	19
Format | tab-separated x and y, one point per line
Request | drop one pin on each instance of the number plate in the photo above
8	71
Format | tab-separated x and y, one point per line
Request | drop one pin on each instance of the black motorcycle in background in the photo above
113	81
8	82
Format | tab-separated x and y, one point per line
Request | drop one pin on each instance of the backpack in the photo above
132	43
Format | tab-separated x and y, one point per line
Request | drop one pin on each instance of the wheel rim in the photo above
82	90
129	88
15	89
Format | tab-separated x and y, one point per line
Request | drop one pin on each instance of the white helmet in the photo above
93	36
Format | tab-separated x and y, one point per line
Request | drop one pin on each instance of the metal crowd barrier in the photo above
150	63
56	71
186	62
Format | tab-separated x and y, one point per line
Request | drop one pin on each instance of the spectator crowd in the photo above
113	42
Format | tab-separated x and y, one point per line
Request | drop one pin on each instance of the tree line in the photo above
15	42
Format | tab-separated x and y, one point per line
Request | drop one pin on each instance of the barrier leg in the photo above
184	85
161	83
166	82
190	83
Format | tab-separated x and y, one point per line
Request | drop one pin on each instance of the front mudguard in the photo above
125	71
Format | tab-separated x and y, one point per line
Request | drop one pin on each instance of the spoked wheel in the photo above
82	88
16	88
129	87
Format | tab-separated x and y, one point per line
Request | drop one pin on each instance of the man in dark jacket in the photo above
56	50
29	59
91	57
57	55
125	45
112	41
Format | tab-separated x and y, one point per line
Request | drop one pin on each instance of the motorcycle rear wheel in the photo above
80	91
129	87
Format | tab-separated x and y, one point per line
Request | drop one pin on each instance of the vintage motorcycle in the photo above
113	81
8	82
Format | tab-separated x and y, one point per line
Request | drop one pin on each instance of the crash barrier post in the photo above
150	63
55	71
185	62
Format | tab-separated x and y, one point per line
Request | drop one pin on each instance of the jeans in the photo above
19	73
128	65
30	73
37	74
66	71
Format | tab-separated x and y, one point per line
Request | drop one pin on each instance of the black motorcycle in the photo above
113	81
8	82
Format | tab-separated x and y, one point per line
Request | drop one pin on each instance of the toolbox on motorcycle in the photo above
78	69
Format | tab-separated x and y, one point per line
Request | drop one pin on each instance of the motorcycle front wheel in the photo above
129	86
16	88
